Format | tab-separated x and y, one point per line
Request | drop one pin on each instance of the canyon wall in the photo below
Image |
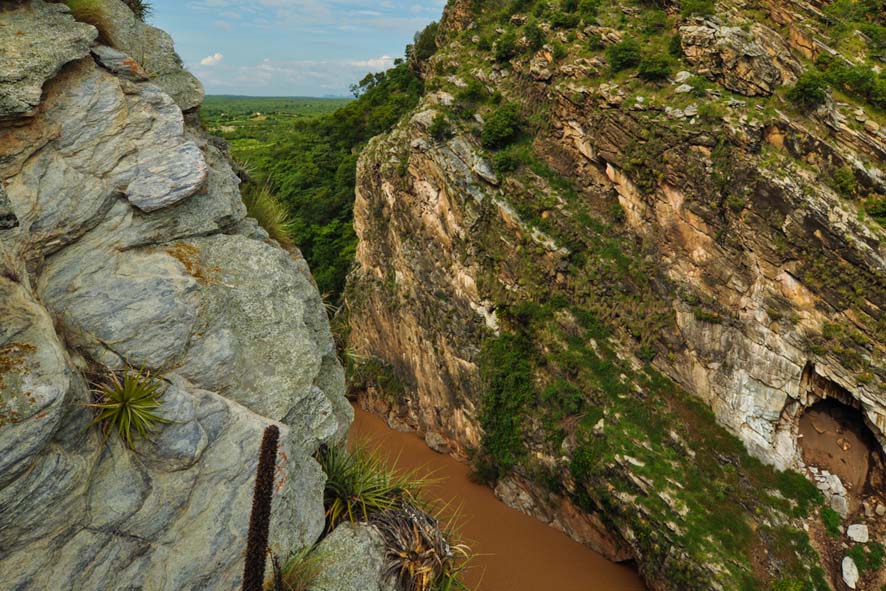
709	240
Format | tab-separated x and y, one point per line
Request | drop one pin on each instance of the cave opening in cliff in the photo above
834	436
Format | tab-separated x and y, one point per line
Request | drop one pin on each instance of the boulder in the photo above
858	532
850	572
354	555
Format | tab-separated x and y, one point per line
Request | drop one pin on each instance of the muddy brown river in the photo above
515	552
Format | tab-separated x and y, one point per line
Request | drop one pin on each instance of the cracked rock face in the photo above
744	62
123	242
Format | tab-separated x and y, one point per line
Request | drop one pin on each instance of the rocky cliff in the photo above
560	252
124	242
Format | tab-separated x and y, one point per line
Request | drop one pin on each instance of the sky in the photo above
290	47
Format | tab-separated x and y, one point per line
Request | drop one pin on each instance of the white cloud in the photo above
288	78
376	64
212	60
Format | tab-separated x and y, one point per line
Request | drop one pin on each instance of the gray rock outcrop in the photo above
355	555
123	243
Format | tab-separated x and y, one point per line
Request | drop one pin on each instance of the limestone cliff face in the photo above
743	275
123	241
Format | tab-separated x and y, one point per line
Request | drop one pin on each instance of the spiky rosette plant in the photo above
260	518
128	404
418	551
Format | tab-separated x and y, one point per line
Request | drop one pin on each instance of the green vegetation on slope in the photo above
307	156
642	452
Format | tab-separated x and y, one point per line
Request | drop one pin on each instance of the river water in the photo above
515	552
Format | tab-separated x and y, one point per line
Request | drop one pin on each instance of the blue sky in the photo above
290	47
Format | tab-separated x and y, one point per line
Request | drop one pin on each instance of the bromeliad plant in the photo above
418	550
128	404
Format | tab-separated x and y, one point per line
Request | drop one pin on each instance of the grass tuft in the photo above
302	570
263	206
359	484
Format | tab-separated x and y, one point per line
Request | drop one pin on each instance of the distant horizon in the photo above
281	96
290	48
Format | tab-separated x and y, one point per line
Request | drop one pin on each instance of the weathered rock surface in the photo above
850	572
355	555
121	244
153	50
735	57
37	40
858	532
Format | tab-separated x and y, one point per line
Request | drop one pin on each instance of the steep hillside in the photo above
615	256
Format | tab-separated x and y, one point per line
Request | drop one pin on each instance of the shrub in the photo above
263	206
697	7
473	92
711	112
425	42
360	484
128	404
534	36
654	21
506	46
809	92
876	208
595	42
857	80
655	67
564	20
507	377
501	127
588	10
844	181
623	55
868	558
675	46
506	162
440	129
139	8
699	86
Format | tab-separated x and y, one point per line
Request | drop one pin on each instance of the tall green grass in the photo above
263	206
